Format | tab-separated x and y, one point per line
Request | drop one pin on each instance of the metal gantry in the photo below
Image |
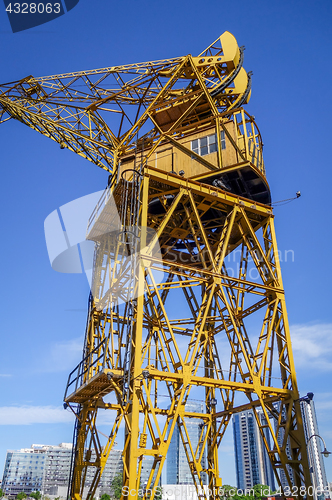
204	317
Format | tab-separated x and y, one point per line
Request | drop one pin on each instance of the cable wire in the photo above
280	203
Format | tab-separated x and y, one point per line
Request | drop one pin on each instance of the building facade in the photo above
314	448
57	468
113	467
251	458
24	471
46	468
178	470
280	435
147	464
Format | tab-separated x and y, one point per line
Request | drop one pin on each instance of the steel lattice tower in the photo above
186	176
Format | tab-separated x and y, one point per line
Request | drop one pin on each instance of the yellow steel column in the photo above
76	493
299	446
133	414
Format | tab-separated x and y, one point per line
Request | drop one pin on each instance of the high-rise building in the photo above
251	458
147	464
113	467
316	460
46	468
24	471
280	435
178	470
57	468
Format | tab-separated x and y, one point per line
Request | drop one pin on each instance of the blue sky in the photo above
43	313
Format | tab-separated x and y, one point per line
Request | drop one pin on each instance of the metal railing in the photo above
248	138
99	208
76	376
256	155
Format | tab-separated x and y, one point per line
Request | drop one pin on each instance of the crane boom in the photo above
94	113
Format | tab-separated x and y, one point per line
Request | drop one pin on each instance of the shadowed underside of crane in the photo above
203	319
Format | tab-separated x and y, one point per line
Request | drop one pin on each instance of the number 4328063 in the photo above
33	8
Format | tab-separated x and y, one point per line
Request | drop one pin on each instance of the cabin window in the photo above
222	140
208	144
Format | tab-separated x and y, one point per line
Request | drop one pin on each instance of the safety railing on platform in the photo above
248	138
76	377
99	208
256	156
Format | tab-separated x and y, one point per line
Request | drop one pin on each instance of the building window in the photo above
208	144
222	140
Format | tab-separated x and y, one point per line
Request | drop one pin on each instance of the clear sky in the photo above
43	313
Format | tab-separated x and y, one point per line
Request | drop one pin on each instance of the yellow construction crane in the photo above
187	177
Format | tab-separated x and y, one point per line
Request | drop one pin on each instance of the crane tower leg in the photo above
220	258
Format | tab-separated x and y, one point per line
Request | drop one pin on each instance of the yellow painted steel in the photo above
175	137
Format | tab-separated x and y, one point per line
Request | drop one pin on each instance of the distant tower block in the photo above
178	470
316	460
251	459
186	163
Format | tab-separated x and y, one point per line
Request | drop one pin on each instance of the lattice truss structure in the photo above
187	302
99	113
